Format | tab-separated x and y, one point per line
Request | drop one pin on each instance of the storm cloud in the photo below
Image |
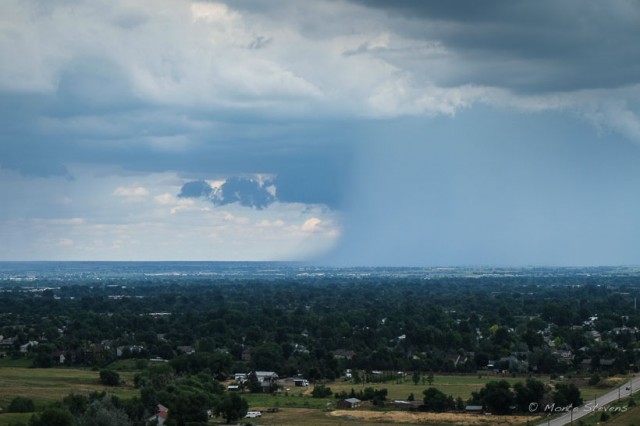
248	192
411	121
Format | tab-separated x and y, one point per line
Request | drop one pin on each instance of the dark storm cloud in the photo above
537	46
244	191
195	189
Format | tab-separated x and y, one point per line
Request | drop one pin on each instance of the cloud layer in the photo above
233	101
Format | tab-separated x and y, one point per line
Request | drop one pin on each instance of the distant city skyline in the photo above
342	132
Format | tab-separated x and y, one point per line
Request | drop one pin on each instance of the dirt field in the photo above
431	418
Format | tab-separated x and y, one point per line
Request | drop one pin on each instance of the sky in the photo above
342	132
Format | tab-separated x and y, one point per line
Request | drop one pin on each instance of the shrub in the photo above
20	404
109	378
321	391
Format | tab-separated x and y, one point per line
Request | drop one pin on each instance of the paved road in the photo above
595	405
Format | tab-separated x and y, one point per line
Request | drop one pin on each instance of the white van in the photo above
253	414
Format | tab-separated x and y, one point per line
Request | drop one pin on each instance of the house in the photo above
343	354
186	349
564	356
300	349
25	348
607	362
161	415
349	403
268	376
8	342
128	350
240	377
59	356
268	386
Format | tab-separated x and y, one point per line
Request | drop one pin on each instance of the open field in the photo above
459	385
455	386
45	385
293	400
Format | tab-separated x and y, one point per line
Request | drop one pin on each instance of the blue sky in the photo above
343	132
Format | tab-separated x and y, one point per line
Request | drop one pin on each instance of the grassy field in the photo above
45	385
455	386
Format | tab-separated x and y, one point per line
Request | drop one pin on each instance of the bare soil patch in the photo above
432	418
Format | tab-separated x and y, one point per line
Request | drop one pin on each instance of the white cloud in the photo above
136	191
278	223
311	225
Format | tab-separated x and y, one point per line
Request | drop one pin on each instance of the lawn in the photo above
293	399
128	365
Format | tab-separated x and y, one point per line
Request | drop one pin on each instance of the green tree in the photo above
42	360
267	356
103	412
430	378
231	407
52	416
566	395
321	391
531	391
594	379
497	397
415	377
20	404
109	378
438	401
76	403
